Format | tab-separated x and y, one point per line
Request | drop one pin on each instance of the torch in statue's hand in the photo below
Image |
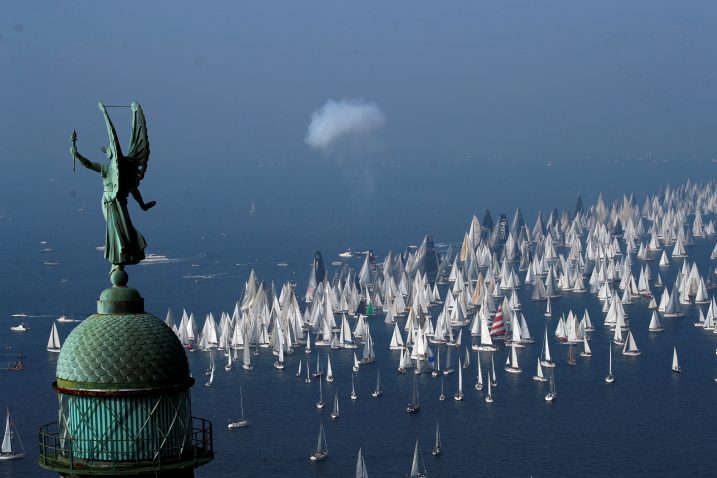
73	149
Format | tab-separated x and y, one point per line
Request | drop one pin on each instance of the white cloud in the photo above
337	120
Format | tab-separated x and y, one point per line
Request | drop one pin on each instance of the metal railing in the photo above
84	456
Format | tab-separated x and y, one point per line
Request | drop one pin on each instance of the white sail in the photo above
361	466
675	363
7	439
53	343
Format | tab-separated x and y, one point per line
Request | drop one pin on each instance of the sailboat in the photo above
335	411
675	364
53	343
418	468
318	372
539	377
630	347
243	421
279	364
458	396
546	360
437	369
308	344
512	366
655	325
549	309
586	348
353	389
320	403
448	369
308	377
298	374
610	378
551	395
228	365
246	355
489	397
211	370
467	361
322	450
361	471
10	450
329	371
379	389
442	396
571	355
355	367
492	378
437	450
252	207
479	381
415	404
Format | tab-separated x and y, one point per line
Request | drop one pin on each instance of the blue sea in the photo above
650	422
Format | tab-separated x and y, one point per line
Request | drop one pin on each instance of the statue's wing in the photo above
138	155
112	173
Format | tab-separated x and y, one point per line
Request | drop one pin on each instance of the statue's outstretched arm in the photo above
85	162
138	197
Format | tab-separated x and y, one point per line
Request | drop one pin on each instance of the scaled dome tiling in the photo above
129	349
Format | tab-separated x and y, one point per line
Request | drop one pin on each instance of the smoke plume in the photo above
343	120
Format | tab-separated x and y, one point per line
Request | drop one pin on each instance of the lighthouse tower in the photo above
123	391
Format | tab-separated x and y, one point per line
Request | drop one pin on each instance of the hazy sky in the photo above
230	85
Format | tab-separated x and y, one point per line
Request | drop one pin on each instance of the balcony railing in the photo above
96	457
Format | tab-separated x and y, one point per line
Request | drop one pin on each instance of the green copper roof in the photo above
122	351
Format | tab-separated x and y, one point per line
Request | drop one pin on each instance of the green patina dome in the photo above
122	352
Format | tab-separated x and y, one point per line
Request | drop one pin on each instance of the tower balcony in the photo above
118	457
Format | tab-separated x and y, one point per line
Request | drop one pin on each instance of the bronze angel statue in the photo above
121	177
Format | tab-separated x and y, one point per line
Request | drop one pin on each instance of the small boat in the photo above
353	389
347	254
64	320
630	347
322	450
539	376
379	389
12	448
211	370
228	365
512	366
18	366
19	328
437	368
335	411
329	371
655	325
675	364
548	309
418	468
489	396
298	374
53	343
243	421
308	378
415	404
458	396
546	360
252	207
308	346
586	348
442	396
479	381
361	471
552	395
317	374
493	379
320	404
437	450
571	355
610	378
279	364
355	367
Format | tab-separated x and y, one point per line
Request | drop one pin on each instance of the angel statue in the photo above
120	177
